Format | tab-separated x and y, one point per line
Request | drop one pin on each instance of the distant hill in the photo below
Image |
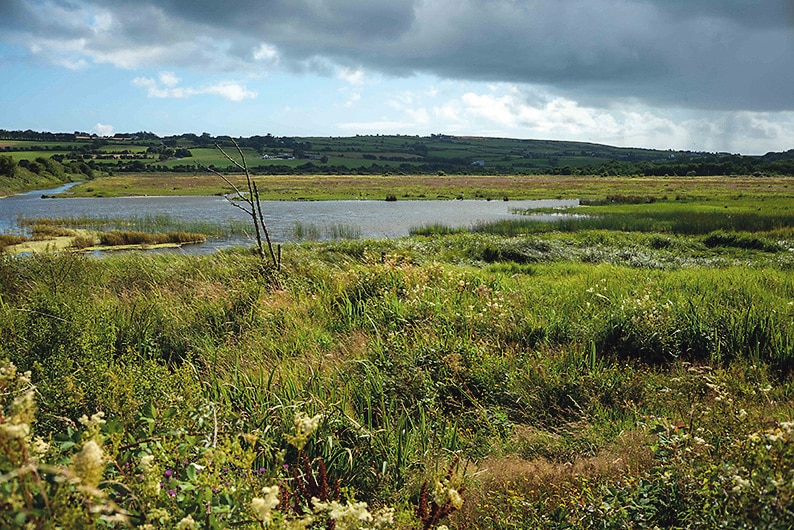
379	154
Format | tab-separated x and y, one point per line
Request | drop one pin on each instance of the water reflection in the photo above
368	219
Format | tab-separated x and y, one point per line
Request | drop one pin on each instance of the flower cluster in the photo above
262	507
304	428
353	515
444	494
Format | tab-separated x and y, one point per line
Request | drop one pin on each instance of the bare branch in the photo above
232	160
230	183
252	199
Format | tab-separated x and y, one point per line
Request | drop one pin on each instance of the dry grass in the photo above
543	480
376	187
7	240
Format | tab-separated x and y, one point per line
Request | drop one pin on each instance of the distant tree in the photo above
8	167
35	167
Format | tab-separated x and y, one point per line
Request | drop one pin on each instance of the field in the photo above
722	189
380	155
628	369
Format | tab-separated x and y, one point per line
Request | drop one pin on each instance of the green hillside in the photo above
379	154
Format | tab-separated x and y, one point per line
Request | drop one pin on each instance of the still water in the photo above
370	219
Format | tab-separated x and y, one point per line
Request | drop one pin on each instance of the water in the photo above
371	219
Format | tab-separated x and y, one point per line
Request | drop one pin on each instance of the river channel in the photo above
369	219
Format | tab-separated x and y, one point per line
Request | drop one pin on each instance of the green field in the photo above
629	369
378	155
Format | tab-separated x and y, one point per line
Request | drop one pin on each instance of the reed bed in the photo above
149	224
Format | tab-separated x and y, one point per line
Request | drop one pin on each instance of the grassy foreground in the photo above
590	378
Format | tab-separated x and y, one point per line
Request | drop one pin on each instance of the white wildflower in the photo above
89	463
94	421
306	425
455	500
24	402
263	506
187	523
147	463
739	483
14	430
304	428
345	515
383	517
39	446
24	379
443	494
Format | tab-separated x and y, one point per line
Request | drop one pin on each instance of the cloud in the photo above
103	130
168	79
530	111
266	53
166	86
711	54
714	73
227	89
352	76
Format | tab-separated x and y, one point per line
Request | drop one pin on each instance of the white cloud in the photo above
103	130
67	53
420	116
352	76
227	89
168	79
167	87
102	22
266	53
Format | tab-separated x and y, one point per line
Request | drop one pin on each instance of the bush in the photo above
738	240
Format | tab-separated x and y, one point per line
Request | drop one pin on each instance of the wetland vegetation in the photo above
629	368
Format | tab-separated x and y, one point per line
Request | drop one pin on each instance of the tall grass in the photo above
120	238
565	377
311	232
149	224
661	221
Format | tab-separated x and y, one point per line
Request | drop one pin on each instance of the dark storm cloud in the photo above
731	54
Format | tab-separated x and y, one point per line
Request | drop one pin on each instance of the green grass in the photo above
581	377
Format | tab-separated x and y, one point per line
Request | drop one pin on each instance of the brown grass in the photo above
376	187
7	240
541	479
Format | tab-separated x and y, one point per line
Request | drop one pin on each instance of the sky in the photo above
700	75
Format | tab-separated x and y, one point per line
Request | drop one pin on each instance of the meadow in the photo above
622	370
720	191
